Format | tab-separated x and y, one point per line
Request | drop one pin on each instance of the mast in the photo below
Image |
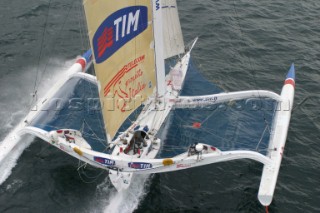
158	45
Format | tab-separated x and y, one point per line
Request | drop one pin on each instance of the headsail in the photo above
172	34
121	35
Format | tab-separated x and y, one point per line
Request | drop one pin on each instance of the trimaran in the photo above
130	41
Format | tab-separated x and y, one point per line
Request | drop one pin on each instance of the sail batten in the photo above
121	36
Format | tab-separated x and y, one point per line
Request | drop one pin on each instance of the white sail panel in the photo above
121	36
172	33
159	47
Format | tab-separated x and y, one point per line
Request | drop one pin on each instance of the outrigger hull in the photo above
277	140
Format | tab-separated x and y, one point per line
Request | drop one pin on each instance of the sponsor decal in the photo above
104	161
126	90
213	99
175	100
183	165
118	29
157	4
138	165
62	148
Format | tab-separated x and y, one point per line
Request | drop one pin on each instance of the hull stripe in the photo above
289	81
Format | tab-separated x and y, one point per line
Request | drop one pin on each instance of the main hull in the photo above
153	116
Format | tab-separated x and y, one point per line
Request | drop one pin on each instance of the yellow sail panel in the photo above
121	36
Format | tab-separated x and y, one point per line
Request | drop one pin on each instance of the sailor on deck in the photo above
138	142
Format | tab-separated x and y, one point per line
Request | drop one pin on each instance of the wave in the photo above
9	160
127	201
12	146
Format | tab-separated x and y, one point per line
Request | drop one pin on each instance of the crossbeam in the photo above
206	100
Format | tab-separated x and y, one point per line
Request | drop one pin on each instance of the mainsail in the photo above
172	34
121	35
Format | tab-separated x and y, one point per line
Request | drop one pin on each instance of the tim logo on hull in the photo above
105	161
139	165
118	29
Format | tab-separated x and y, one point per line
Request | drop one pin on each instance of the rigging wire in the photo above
264	131
185	123
303	101
81	27
39	76
38	79
96	136
100	121
237	17
81	170
41	49
85	28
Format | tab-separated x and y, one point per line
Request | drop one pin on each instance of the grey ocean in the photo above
244	44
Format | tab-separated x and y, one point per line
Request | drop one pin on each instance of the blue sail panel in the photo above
75	106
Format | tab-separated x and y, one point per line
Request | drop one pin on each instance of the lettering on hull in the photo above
181	165
140	165
105	161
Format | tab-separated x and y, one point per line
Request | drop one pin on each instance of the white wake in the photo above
12	146
126	201
9	160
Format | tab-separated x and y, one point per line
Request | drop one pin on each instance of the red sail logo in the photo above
105	41
126	89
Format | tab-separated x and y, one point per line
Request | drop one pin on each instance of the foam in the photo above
127	201
12	146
